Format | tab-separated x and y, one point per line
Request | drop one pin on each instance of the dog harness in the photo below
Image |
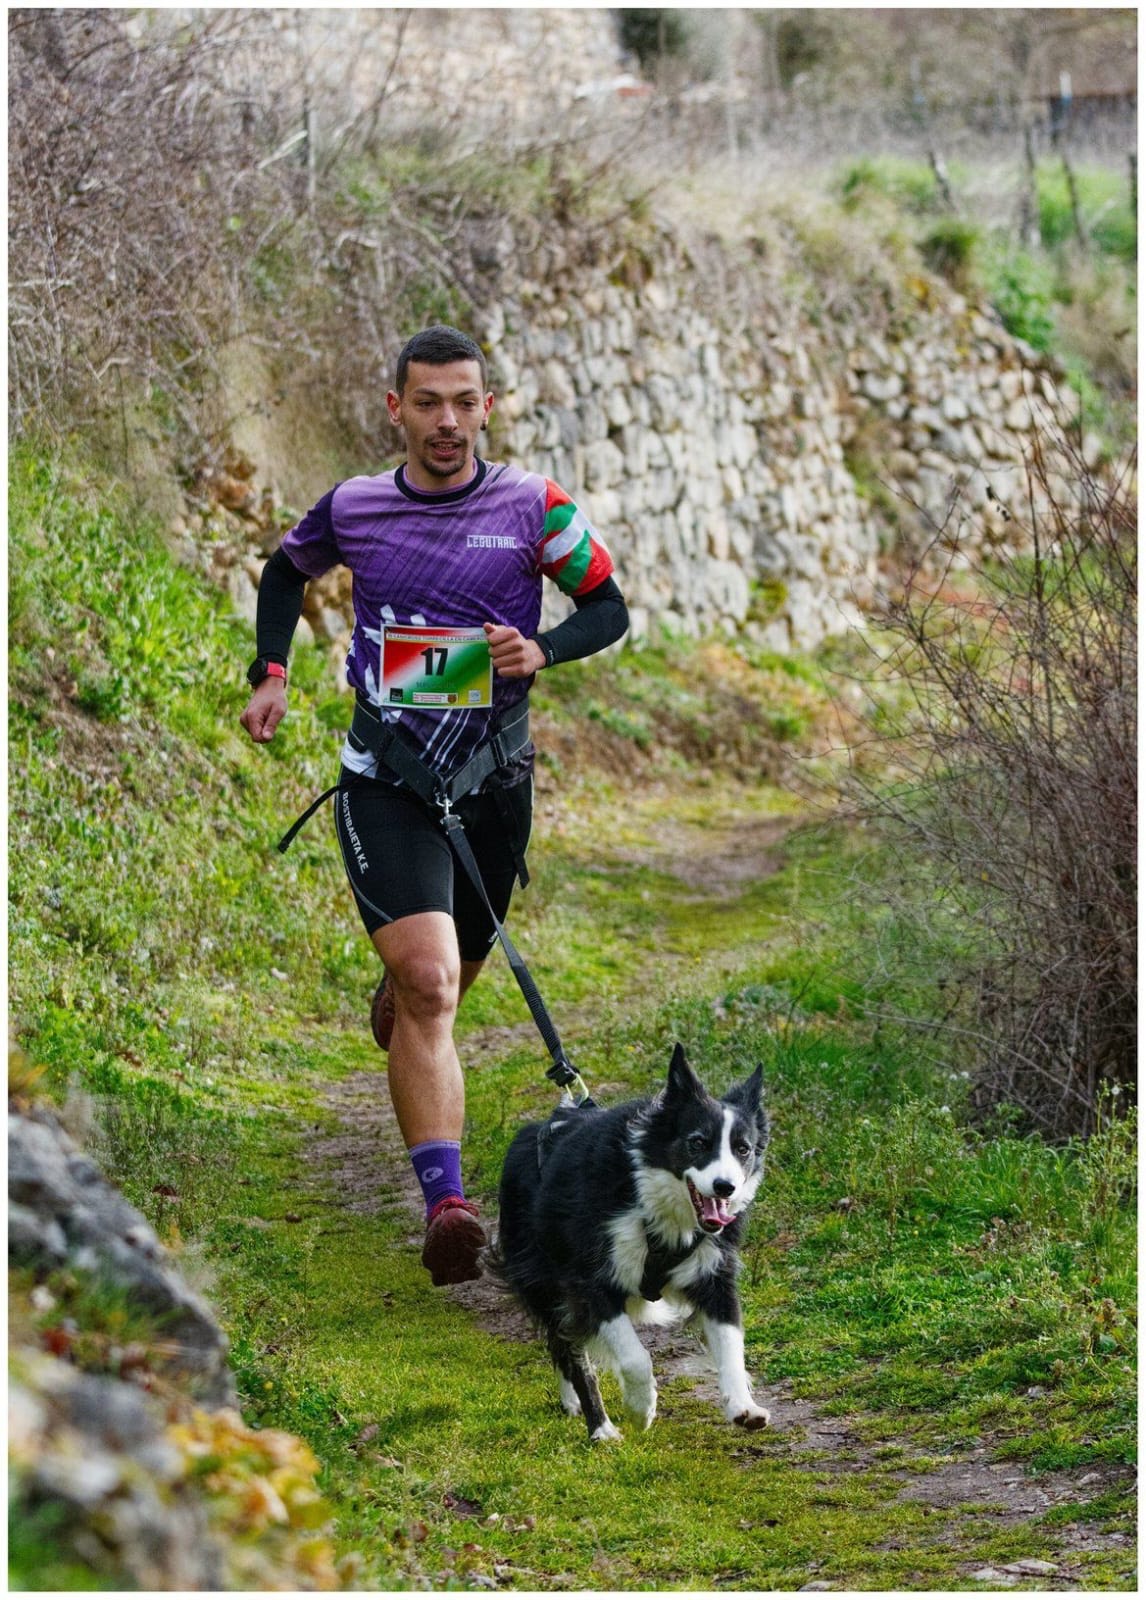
660	1263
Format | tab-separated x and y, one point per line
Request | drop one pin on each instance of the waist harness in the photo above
391	748
387	742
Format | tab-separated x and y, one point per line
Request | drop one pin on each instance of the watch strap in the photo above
261	668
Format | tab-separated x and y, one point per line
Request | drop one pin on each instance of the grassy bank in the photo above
1067	288
943	1321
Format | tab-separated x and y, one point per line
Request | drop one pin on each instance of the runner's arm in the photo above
600	619
279	608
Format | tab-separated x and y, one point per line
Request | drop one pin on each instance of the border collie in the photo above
610	1217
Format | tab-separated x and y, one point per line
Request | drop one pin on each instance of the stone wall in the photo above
729	456
748	462
109	1430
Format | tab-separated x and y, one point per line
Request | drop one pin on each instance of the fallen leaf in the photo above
57	1341
132	1357
460	1506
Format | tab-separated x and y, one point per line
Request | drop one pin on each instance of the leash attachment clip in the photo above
565	1075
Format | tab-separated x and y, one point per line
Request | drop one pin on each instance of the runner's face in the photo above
441	411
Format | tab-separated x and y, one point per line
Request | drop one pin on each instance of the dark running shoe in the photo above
454	1240
382	1013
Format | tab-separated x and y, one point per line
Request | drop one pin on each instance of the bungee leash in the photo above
387	743
563	1073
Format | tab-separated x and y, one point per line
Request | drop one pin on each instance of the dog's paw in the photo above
605	1432
570	1402
752	1418
641	1404
643	1415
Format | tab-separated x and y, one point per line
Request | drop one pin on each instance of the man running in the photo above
448	552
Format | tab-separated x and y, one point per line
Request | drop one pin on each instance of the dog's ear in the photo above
683	1083
747	1095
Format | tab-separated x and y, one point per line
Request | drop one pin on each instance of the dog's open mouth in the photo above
711	1212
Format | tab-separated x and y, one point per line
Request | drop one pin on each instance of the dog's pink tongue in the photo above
714	1210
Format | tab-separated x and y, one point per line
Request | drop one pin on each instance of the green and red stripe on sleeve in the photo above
572	552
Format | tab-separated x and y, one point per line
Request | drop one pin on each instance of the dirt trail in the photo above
722	858
366	1164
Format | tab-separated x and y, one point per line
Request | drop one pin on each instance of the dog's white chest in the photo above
632	1270
629	1250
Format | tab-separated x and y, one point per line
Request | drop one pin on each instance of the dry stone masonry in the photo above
731	461
748	463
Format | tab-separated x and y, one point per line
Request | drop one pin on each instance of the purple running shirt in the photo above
457	558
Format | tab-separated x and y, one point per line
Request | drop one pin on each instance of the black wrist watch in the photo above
261	668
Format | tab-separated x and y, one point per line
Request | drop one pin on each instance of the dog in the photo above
613	1217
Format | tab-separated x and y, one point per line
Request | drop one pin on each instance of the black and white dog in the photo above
610	1217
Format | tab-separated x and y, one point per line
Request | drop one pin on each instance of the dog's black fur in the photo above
634	1214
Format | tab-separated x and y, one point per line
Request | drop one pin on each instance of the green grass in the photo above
1072	300
911	185
204	998
1024	289
1104	207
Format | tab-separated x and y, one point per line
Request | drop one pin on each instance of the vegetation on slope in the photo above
926	1299
201	252
1068	289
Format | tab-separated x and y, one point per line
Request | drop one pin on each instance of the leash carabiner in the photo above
578	1098
565	1075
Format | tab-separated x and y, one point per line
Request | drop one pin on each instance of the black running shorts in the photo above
400	862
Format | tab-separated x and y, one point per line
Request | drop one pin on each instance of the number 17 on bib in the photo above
447	668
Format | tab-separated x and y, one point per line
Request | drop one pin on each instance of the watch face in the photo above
257	671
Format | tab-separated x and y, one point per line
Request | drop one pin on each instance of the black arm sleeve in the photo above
280	606
600	619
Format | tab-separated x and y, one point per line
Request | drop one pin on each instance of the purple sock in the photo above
438	1168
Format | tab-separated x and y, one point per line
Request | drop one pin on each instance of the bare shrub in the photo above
186	191
1013	773
164	211
114	259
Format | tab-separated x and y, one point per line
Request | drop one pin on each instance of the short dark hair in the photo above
437	347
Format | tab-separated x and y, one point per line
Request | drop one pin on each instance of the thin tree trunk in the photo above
1029	202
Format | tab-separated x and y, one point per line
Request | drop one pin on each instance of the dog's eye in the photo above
742	1148
697	1144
